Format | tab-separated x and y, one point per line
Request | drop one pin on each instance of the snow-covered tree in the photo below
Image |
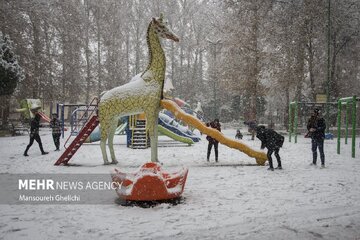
10	70
10	73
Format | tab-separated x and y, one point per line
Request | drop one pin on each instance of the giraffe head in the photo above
162	29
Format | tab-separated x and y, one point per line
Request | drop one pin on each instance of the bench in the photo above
18	129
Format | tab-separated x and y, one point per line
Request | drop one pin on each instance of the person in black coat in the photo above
273	141
316	127
214	124
34	135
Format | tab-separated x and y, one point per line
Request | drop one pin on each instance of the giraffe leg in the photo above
111	140
103	151
155	141
104	135
152	120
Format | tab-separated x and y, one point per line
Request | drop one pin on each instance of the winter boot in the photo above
26	150
42	150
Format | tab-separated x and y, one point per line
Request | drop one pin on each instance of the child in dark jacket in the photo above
56	130
238	134
273	141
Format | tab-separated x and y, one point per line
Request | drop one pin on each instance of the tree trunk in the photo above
333	86
35	23
49	75
99	89
254	78
173	64
127	57
5	107
137	48
64	67
87	52
300	57
309	33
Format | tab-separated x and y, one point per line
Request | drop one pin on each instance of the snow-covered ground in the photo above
233	199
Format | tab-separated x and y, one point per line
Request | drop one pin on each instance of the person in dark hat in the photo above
316	130
212	141
238	134
273	141
34	135
56	130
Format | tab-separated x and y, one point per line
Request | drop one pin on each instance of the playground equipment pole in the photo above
347	122
290	122
62	120
293	125
328	67
353	127
296	120
347	100
338	126
57	109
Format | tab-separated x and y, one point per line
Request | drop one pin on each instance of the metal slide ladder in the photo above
81	137
140	138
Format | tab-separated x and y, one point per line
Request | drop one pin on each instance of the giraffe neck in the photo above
157	61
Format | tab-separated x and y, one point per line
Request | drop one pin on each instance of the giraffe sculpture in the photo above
142	94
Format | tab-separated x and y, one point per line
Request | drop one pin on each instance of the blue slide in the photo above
171	128
167	125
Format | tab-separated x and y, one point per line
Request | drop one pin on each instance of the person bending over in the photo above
273	141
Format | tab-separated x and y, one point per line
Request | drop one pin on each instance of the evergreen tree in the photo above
10	71
10	74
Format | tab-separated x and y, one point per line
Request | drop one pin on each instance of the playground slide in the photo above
165	127
191	120
95	135
170	134
120	128
171	128
44	117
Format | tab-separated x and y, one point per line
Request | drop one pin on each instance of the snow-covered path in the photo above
234	199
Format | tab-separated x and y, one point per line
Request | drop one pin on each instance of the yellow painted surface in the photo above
141	116
193	121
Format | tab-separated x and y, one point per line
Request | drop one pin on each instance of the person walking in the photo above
252	124
34	135
316	131
273	141
56	130
213	142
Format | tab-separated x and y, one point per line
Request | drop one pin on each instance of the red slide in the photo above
44	117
